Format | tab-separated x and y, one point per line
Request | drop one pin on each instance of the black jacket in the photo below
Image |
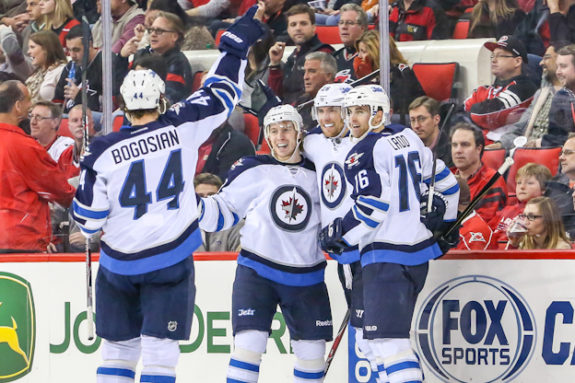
563	27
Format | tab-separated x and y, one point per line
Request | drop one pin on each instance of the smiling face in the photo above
358	119
283	140
43	127
527	188
300	29
329	119
566	71
548	64
37	53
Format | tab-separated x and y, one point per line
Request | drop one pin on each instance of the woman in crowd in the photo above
49	59
404	86
544	226
58	17
495	18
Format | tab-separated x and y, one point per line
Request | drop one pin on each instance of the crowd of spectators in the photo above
42	59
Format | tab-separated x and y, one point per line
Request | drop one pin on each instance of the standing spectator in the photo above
49	59
561	188
503	102
68	88
467	145
404	85
425	119
319	70
562	20
287	80
495	18
352	24
534	122
205	185
166	35
30	178
417	20
125	15
58	17
45	120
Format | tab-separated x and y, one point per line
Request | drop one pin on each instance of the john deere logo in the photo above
17	327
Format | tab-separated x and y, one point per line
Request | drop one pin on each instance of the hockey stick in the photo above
434	166
86	151
337	341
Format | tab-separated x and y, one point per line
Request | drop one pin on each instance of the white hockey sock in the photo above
159	359
245	361
310	364
115	371
401	363
119	361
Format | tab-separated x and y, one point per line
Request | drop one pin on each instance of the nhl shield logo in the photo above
290	208
17	327
333	185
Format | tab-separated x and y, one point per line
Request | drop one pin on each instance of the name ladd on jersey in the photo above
476	329
145	145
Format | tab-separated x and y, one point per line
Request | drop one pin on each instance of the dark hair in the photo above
50	42
298	9
77	31
208	179
558	44
55	110
10	92
477	133
170	6
156	63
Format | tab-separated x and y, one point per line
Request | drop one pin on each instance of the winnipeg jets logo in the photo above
333	185
290	207
476	237
353	159
239	162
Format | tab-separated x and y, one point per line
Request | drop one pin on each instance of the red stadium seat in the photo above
64	130
197	80
328	34
461	29
493	158
544	156
438	79
118	122
265	149
219	34
252	128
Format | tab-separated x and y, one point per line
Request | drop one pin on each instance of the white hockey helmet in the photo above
142	89
329	95
282	113
373	96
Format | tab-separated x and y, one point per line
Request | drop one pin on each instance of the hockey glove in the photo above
242	34
331	237
448	242
433	220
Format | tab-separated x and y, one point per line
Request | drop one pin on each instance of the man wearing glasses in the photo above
506	99
45	120
352	23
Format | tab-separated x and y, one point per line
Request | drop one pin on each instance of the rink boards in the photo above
482	317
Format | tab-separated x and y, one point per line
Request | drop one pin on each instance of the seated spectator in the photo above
30	178
425	120
495	18
352	24
417	20
58	17
534	122
562	20
45	120
126	15
154	9
530	180
544	226
319	69
69	83
206	184
287	80
474	233
503	102
467	145
153	62
330	15
35	24
404	86
166	35
49	59
561	188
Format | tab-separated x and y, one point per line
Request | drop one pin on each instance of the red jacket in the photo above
66	162
30	178
500	223
424	20
475	234
495	198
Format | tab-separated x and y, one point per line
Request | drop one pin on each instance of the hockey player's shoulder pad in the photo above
246	163
314	131
393	129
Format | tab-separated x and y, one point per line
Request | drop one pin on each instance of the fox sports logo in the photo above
475	329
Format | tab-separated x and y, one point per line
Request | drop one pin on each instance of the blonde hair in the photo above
503	9
62	12
541	173
371	41
552	222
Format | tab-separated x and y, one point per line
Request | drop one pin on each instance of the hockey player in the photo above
280	261
137	186
388	172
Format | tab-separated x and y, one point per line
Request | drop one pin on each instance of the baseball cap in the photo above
510	44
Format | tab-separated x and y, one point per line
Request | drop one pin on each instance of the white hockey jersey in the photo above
58	147
328	156
389	172
137	184
280	203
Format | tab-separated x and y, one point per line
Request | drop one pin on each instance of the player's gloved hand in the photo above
433	220
331	237
449	241
242	34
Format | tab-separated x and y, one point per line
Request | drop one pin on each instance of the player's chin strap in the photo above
372	128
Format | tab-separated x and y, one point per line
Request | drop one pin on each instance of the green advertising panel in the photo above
17	327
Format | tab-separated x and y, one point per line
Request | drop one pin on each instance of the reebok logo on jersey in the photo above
172	325
233	37
246	312
370	328
476	237
322	323
353	160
